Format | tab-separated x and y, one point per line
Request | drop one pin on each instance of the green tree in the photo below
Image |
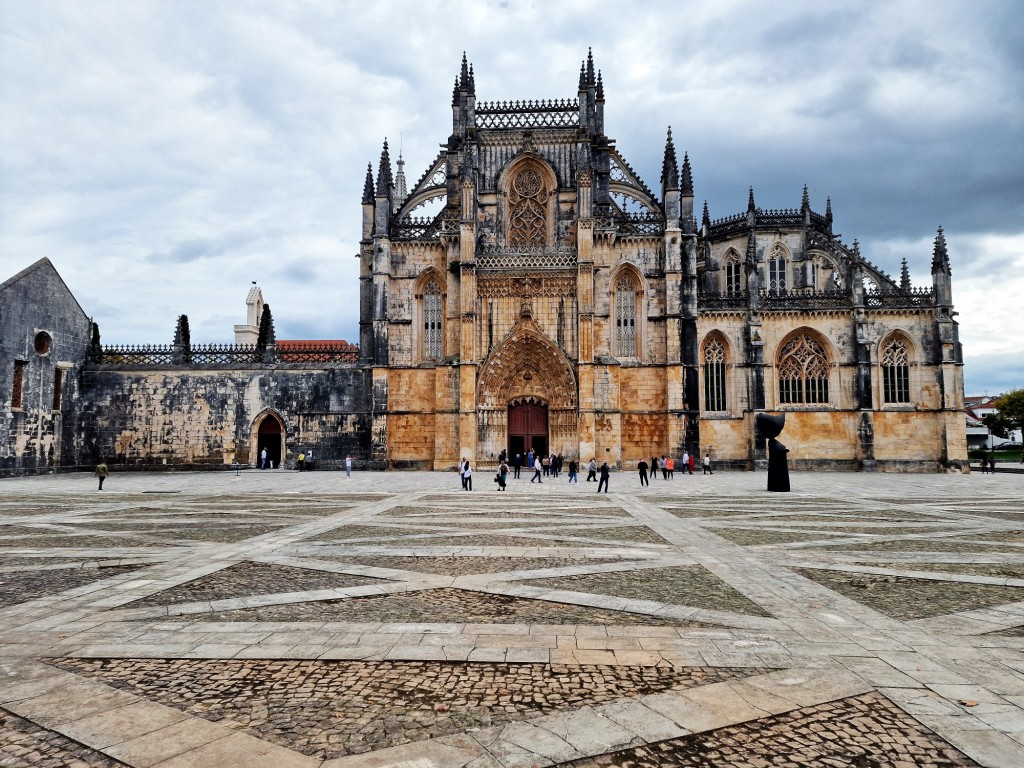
266	332
1011	407
998	424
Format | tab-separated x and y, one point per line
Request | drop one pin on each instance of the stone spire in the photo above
904	276
590	68
805	201
705	221
368	186
385	182
583	76
669	165
687	177
828	210
600	87
751	208
940	256
400	189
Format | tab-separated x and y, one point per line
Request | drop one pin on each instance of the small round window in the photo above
43	342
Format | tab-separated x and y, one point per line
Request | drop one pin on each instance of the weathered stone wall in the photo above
209	416
35	304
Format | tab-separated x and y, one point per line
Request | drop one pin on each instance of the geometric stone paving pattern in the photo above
888	607
861	731
426	605
329	708
23	743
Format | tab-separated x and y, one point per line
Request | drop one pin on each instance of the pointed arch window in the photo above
733	275
527	219
895	372
714	375
625	316
432	325
777	267
803	372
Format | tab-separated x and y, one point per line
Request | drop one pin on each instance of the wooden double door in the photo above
527	428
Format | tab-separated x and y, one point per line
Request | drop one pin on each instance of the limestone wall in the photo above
209	417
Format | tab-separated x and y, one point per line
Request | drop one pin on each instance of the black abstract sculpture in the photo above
770	427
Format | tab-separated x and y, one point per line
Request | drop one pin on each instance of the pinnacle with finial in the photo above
669	165
590	67
600	87
828	209
904	276
940	256
368	184
805	201
384	178
706	218
583	76
750	201
464	73
686	186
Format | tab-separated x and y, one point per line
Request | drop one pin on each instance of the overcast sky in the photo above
165	154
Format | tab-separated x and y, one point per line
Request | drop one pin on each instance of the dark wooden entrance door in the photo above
271	437
528	428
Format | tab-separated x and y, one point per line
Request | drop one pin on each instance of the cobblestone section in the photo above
20	586
454	605
903	597
865	731
995	570
247	579
685	585
329	709
751	538
457	566
23	744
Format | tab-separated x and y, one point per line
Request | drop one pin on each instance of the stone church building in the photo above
556	301
530	290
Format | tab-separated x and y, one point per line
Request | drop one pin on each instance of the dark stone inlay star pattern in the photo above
458	566
907	598
23	743
329	709
247	579
866	731
21	586
452	605
750	537
505	511
691	585
995	570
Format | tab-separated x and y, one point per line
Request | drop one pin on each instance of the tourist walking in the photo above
101	473
670	465
301	463
502	474
573	477
592	471
517	463
536	470
684	463
642	468
664	468
604	478
706	463
462	471
263	459
348	466
691	463
467	475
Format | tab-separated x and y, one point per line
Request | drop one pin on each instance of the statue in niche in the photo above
770	426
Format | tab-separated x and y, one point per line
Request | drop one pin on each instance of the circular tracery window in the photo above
43	342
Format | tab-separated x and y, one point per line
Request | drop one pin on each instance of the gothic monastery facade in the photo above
557	301
530	290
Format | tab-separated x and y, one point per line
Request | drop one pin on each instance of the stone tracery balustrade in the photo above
555	113
500	258
224	355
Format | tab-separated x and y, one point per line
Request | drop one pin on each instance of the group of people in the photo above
667	465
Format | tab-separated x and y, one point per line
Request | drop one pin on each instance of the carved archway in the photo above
527	367
269	431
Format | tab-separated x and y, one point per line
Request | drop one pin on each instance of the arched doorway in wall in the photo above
270	434
527	427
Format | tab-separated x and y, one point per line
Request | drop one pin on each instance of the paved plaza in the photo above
393	620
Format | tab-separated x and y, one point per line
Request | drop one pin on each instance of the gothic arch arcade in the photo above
527	396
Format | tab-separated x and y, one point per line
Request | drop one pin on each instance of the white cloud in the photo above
164	155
